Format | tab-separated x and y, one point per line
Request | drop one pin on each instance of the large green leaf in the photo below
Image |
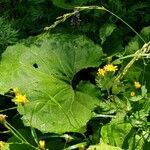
44	72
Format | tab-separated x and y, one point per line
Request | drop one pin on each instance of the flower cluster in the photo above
19	98
107	68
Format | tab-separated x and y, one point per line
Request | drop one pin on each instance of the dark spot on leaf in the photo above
35	65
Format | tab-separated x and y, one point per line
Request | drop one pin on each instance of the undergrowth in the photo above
78	82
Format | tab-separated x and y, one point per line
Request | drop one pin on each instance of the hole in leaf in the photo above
85	75
35	65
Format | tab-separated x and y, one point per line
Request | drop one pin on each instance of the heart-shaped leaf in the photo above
45	72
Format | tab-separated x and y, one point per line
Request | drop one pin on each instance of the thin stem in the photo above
75	146
61	19
68	15
4	132
138	53
103	8
33	132
14	133
7	109
126	24
32	146
104	116
12	129
18	135
132	55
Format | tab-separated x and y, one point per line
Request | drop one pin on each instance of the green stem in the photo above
33	132
132	55
4	132
104	116
126	24
76	146
7	109
18	135
13	132
16	131
68	15
61	19
138	53
103	8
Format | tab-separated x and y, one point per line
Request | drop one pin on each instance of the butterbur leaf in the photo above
45	72
105	31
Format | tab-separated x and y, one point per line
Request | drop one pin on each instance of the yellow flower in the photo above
42	144
132	94
111	68
137	85
21	99
2	118
101	72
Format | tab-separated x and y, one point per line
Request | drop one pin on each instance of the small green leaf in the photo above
105	31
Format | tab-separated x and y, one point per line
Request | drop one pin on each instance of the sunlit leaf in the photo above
45	73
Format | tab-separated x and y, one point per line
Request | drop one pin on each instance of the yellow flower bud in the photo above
2	118
42	144
137	85
132	94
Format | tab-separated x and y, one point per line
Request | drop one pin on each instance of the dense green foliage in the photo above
74	77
